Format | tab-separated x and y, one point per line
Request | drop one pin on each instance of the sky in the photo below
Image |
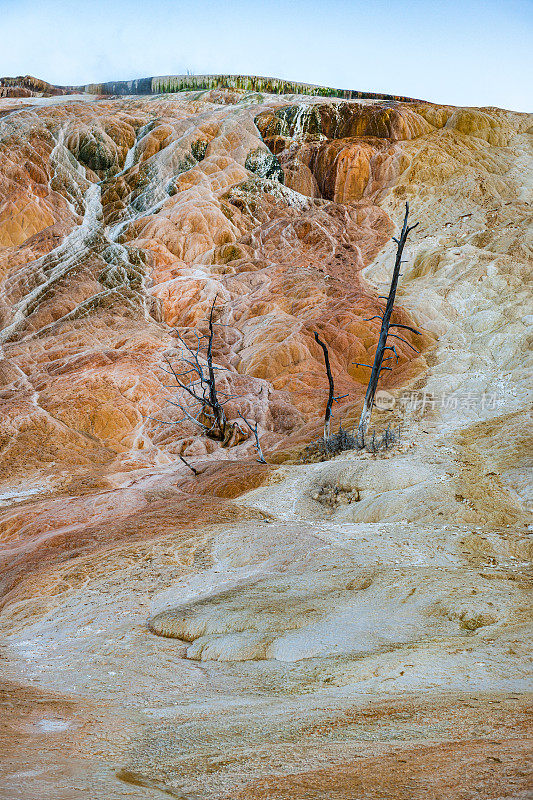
474	52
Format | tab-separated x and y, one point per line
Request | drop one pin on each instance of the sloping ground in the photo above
248	83
28	86
353	627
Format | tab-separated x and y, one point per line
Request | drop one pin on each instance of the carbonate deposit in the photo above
358	627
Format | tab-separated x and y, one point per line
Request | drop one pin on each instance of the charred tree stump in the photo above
378	367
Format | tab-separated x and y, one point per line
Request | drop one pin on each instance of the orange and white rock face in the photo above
305	590
122	218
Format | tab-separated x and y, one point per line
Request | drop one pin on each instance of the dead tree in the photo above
377	367
331	395
200	402
200	399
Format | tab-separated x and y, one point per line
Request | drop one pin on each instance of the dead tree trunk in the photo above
377	366
219	418
327	415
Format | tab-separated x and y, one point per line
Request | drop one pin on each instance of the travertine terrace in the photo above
351	628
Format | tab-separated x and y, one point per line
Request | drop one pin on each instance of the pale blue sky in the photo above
465	53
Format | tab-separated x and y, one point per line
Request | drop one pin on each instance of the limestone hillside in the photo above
305	629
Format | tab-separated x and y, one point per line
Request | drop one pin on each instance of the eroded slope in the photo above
321	623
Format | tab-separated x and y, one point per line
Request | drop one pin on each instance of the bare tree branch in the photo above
261	458
188	465
407	327
394	351
405	342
